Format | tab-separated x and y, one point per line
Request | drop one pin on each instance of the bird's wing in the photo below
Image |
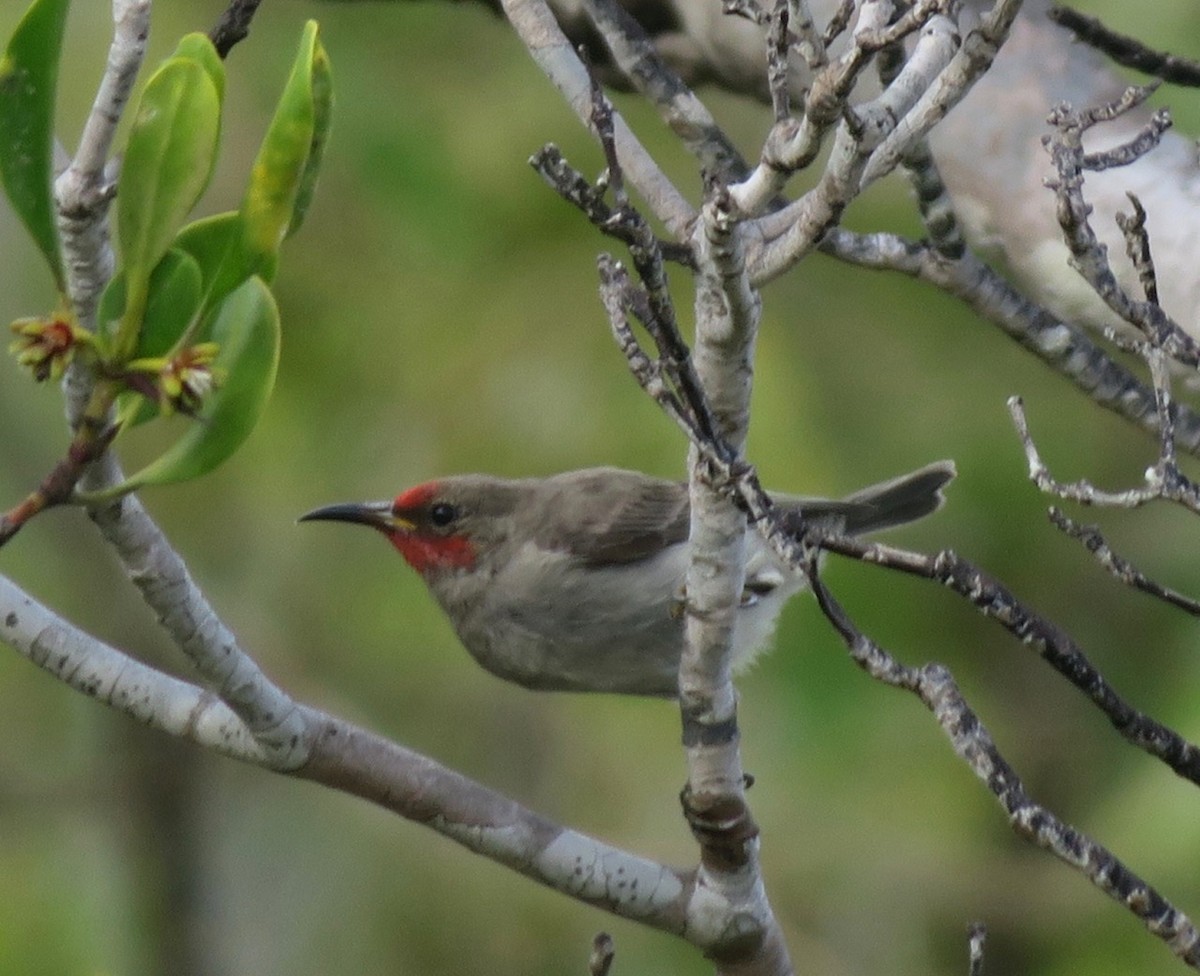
605	515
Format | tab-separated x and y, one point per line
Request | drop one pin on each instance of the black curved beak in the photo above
378	515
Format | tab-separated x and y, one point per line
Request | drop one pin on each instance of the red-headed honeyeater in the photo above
576	581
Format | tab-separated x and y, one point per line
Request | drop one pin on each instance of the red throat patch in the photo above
424	552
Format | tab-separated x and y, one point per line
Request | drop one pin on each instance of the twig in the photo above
979	48
1056	647
1081	491
839	21
601	959
1095	543
1088	255
90	442
977	935
809	42
678	106
1137	246
1127	51
233	25
779	43
538	29
936	688
1163	481
573	187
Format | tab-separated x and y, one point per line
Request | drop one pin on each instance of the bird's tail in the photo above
904	499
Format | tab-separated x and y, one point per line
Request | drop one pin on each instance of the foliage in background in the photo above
442	317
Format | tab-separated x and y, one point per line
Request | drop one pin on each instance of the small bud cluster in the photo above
181	382
46	345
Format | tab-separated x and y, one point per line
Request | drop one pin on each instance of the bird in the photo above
575	582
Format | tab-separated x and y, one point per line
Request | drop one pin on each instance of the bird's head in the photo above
438	526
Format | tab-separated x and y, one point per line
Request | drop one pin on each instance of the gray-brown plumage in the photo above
575	582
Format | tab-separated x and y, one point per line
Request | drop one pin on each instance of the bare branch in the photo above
1137	246
573	187
537	28
1088	255
727	312
84	190
809	42
1095	543
360	763
161	576
233	25
600	961
1127	51
778	45
1062	346
936	688
979	48
117	680
1163	481
839	21
650	75
791	233
1056	647
1082	491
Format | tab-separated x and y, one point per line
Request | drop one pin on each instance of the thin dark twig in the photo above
839	21
1081	491
601	959
602	120
1127	50
573	187
1121	568
1147	138
233	25
1137	246
937	690
1088	255
779	42
1054	645
645	68
1061	345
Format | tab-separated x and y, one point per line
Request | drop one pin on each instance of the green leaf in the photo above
197	47
217	245
28	78
322	92
168	161
173	303
247	329
279	170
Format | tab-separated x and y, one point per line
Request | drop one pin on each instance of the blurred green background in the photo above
440	315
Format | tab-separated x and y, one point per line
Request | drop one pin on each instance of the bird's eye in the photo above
442	514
